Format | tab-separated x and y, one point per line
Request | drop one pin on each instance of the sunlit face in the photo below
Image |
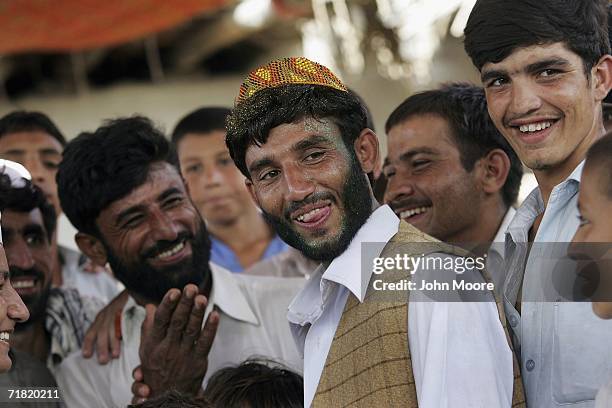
12	310
542	102
38	152
427	185
216	186
154	237
30	258
595	228
310	187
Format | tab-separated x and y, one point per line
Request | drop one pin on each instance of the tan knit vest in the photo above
369	362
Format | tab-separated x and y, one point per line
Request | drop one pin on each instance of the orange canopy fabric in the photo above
74	25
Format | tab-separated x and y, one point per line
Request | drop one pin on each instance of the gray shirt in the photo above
564	348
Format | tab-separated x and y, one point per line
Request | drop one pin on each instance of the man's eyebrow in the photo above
530	69
168	192
310	142
34	228
14	151
407	155
257	165
49	150
547	63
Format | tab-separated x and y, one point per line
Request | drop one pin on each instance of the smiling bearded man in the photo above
302	142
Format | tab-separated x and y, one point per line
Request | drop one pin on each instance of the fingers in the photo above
88	342
207	336
181	314
164	313
102	346
194	325
137	374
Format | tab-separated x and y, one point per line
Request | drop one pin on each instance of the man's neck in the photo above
33	339
248	228
478	239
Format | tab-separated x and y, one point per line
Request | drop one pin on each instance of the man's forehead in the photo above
160	178
427	132
17	219
287	135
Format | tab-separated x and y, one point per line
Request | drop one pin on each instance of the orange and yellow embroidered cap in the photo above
288	71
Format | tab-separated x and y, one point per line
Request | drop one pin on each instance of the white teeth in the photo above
24	284
534	127
4	336
309	215
414	211
171	251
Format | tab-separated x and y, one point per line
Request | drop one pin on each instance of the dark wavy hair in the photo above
251	121
496	28
104	166
24	121
256	383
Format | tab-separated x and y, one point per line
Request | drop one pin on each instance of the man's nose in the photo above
398	187
163	227
299	184
18	254
16	309
524	98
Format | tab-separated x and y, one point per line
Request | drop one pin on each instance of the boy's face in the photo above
541	100
596	228
215	184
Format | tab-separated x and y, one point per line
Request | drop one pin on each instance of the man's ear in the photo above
602	77
495	167
92	247
366	149
251	188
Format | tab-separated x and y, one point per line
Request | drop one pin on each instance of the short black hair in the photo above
496	28
25	198
24	121
251	120
599	158
256	383
464	107
174	399
203	120
104	166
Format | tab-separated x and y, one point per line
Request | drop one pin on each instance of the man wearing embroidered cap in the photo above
302	142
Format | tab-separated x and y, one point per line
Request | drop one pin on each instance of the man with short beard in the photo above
58	316
302	142
121	188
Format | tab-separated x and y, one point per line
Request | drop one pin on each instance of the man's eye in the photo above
35	240
225	162
547	73
194	168
134	221
389	172
51	165
268	175
173	201
420	163
497	82
314	156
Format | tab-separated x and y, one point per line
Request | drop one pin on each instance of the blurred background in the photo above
81	61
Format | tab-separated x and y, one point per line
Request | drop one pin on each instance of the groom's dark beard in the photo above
357	204
151	283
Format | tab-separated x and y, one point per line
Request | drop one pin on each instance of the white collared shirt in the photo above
495	258
460	355
252	323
